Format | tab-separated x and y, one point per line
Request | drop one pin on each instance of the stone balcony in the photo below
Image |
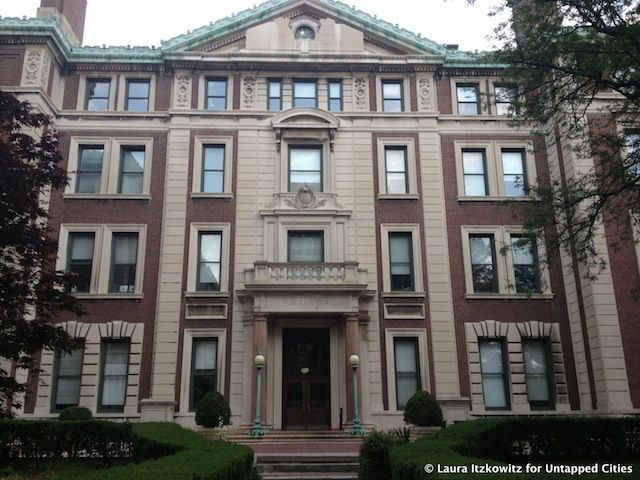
309	287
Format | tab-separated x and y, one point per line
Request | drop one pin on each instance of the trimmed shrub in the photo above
75	413
374	455
423	410
213	411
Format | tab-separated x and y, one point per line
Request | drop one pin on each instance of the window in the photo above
124	253
525	264
305	32
506	98
305	93
97	94
396	169
131	178
305	246
514	172
407	368
468	95
493	362
275	95
137	95
80	259
89	174
113	381
204	371
335	95
483	263
209	257
474	171
401	261
305	168
67	379
213	168
538	374
216	94
392	96
632	151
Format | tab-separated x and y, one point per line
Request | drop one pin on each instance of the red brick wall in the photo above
11	60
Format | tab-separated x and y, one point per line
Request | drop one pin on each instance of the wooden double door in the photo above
306	379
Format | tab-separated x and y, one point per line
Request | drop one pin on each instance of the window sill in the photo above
508	296
221	295
109	296
392	196
494	198
106	196
211	195
416	295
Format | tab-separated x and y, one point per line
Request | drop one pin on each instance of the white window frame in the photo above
199	143
101	265
504	263
409	144
122	89
414	229
187	349
423	360
494	169
482	93
406	92
82	91
318	139
202	90
194	231
110	166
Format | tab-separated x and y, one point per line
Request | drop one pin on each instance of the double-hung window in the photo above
407	369
396	169
474	166
137	99
275	95
80	259
114	375
495	380
539	373
525	264
216	94
335	95
204	369
67	379
213	163
97	94
392	96
124	255
305	93
89	173
506	99
305	246
468	97
401	266
632	152
483	263
514	171
305	168
131	178
209	258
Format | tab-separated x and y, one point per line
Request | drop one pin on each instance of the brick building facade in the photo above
306	182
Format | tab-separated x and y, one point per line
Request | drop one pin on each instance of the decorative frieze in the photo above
360	93
35	71
182	91
249	92
425	94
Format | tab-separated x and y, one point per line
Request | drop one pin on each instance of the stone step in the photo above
302	466
309	476
302	458
308	467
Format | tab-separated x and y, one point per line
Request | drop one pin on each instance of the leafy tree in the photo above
32	293
577	65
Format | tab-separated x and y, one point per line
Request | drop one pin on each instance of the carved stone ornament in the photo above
360	92
182	91
425	92
36	68
249	92
304	199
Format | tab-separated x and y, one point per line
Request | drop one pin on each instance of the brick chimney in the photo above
70	15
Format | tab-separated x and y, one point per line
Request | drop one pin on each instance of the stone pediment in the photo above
305	118
305	201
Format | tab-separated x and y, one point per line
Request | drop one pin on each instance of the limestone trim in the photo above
202	90
414	229
187	348
199	143
182	90
82	89
409	143
482	94
406	91
423	360
513	335
504	263
122	90
36	68
194	231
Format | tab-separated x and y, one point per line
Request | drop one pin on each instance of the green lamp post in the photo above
256	429
356	427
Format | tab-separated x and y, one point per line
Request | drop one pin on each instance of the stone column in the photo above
351	346
260	347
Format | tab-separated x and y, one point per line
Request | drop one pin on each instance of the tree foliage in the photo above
577	65
32	293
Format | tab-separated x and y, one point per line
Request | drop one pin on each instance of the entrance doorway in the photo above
306	379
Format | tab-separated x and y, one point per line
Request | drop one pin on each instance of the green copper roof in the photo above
225	26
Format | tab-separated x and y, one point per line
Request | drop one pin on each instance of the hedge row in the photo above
41	439
486	442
